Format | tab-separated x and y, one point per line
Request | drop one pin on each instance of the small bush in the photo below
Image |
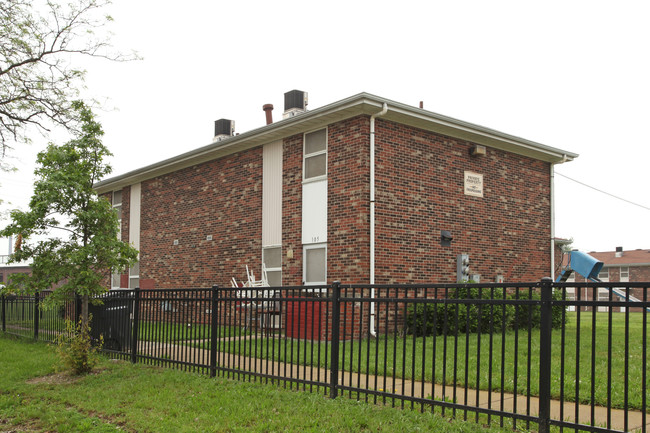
76	349
532	313
449	318
440	318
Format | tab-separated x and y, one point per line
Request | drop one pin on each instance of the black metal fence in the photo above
531	356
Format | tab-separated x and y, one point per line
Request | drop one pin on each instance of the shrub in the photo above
449	318
532	313
420	317
76	349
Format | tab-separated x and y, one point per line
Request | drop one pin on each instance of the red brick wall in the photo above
7	271
222	198
419	192
348	226
640	273
292	210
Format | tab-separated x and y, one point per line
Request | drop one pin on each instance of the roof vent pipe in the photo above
268	109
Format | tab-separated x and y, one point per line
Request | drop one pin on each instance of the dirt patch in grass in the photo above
61	378
5	427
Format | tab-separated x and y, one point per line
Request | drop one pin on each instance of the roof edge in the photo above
362	103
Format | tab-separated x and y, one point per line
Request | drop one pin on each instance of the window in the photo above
315	264
115	280
272	259
625	274
315	154
603	275
134	276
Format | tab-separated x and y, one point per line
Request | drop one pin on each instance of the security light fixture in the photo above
445	238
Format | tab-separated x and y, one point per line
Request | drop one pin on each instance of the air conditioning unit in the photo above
223	129
295	102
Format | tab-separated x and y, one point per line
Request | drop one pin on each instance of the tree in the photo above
37	78
70	233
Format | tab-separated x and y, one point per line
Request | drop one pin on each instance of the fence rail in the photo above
534	355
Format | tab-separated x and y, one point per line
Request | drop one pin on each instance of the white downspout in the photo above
553	221
373	330
564	159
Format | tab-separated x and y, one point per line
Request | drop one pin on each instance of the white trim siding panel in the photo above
134	215
314	212
272	194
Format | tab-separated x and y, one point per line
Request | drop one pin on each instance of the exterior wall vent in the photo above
223	128
295	102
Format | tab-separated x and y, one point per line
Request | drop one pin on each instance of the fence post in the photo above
213	332
546	311
336	319
4	314
136	319
36	299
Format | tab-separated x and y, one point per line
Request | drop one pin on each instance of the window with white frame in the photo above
603	275
272	259
134	276
625	274
315	264
315	154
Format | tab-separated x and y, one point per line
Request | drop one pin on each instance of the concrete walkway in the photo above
495	400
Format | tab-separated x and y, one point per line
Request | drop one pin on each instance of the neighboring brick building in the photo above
6	269
619	266
622	266
298	194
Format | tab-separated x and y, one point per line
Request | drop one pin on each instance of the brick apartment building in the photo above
6	269
622	266
361	190
619	266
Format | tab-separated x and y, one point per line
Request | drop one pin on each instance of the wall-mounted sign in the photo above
473	184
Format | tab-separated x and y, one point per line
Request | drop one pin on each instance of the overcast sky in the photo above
568	74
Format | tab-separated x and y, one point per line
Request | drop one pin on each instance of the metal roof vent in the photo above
223	128
619	252
295	102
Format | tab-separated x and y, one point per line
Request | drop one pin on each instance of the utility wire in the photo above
604	192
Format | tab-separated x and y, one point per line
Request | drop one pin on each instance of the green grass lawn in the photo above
413	358
139	398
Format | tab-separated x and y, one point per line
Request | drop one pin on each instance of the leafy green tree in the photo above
70	233
40	42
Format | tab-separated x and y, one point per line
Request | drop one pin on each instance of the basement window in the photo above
315	154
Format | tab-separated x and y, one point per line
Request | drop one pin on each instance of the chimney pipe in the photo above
421	104
268	109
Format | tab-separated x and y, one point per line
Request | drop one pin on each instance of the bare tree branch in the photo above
38	80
